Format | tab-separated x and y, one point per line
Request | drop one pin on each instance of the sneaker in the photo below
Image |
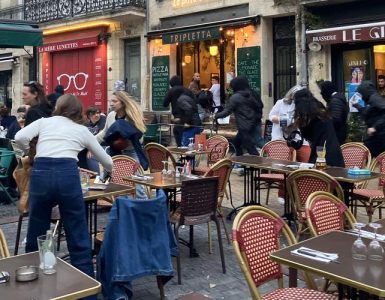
281	201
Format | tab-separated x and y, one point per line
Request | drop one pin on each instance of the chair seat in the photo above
272	177
368	194
201	170
296	294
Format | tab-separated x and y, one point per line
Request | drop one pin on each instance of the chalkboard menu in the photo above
249	65
160	81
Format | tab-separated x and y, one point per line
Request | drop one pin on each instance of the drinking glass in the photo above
179	171
375	251
84	181
321	160
165	167
359	249
191	144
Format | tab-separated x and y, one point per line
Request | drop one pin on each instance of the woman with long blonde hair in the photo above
125	108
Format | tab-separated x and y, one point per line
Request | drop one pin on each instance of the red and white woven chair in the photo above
356	155
276	150
257	232
372	199
325	212
301	183
156	153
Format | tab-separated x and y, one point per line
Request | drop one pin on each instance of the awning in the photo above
19	34
348	34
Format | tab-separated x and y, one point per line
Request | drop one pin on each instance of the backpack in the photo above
205	99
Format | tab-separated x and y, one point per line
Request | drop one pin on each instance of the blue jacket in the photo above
138	242
124	129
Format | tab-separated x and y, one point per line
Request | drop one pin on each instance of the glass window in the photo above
132	67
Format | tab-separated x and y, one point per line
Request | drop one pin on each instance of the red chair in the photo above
156	153
276	150
372	199
300	184
257	232
325	212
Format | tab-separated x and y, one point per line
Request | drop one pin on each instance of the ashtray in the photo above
27	273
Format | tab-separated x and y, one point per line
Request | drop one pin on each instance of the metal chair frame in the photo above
4	251
162	154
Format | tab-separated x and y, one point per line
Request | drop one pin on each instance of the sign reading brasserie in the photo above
249	65
348	34
160	81
191	36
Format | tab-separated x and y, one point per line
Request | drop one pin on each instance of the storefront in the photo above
224	48
77	60
357	53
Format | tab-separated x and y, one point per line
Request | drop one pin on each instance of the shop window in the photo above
132	68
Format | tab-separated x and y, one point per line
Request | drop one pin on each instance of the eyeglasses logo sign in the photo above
79	80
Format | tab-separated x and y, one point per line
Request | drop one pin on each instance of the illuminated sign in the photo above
191	36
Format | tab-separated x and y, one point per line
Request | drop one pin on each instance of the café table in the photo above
187	154
366	276
66	284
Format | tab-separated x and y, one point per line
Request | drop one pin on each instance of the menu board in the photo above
159	81
249	65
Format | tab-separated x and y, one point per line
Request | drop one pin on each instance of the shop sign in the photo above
69	45
191	36
348	34
159	81
249	65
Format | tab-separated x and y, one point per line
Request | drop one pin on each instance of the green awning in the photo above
19	35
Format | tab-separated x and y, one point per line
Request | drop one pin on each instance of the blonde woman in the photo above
126	119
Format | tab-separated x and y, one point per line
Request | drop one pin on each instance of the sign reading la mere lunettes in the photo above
160	81
249	65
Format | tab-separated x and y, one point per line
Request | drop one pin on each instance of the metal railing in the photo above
49	10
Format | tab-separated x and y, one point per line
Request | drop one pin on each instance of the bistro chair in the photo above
218	146
156	153
300	184
325	212
6	158
198	205
258	231
372	199
275	150
356	155
222	169
4	252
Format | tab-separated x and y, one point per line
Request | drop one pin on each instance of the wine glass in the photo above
191	144
359	249
165	167
375	251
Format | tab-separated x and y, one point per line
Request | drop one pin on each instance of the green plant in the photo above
356	128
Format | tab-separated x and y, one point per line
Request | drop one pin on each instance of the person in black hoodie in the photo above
171	97
33	94
312	119
52	98
247	107
374	116
338	109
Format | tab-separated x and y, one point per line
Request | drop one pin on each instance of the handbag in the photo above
22	175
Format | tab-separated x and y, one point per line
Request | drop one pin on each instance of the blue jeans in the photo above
56	181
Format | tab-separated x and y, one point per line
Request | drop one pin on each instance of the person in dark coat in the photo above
337	107
52	98
247	108
33	94
374	116
312	119
189	117
171	97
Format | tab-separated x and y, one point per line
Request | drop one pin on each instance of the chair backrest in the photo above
378	164
156	153
301	183
4	252
325	212
199	200
356	155
124	166
218	146
256	233
6	157
222	169
278	150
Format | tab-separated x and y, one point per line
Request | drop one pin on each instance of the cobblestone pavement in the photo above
202	274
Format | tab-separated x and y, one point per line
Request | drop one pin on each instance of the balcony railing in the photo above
50	10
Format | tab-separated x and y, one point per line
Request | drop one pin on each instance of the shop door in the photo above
75	71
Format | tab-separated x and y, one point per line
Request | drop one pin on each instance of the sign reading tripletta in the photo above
348	34
191	35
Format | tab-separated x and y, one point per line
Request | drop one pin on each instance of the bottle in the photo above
188	168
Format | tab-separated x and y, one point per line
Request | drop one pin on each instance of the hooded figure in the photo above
337	107
374	116
171	97
247	107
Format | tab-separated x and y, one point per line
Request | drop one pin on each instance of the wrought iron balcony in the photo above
50	10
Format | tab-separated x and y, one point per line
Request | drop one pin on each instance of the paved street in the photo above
202	274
